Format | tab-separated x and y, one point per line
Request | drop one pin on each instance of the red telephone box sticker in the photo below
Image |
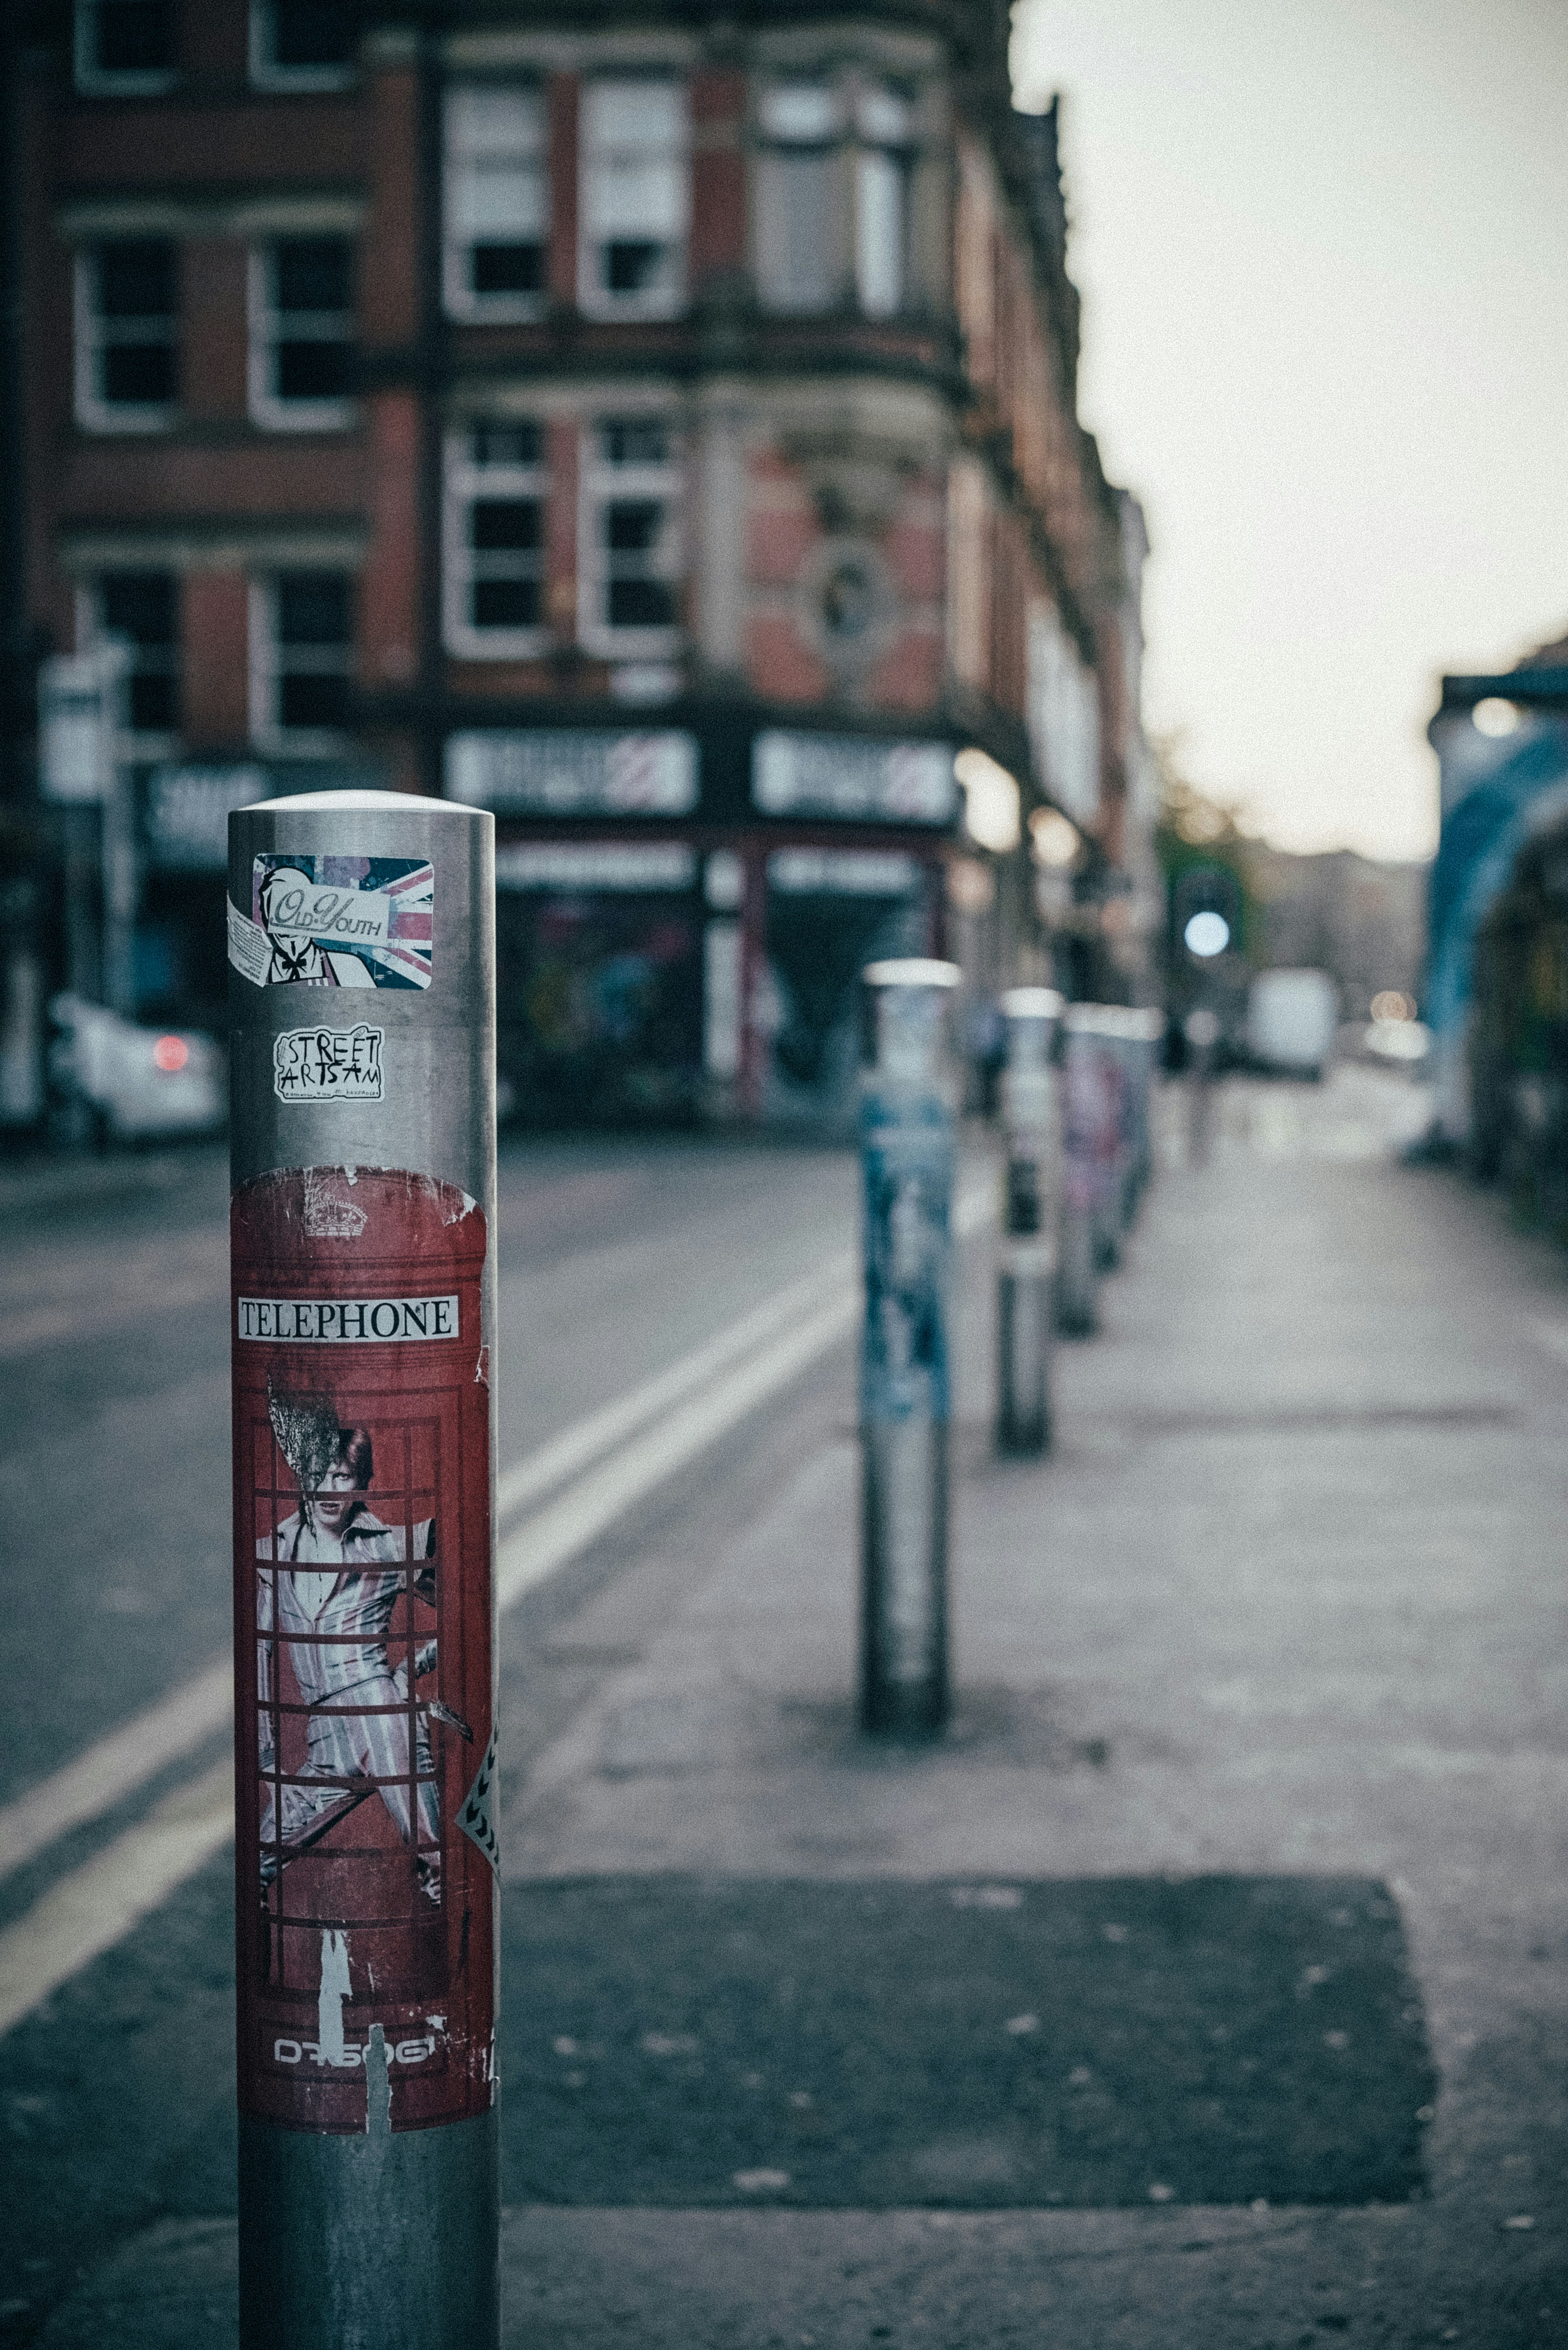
363	1646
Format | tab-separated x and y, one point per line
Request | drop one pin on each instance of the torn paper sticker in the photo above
327	1065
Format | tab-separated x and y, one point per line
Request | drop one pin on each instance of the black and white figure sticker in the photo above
327	1065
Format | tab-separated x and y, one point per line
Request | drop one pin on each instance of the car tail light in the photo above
170	1053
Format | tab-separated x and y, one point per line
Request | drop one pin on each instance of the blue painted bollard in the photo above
1026	1266
907	1109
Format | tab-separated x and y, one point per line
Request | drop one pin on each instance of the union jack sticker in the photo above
339	922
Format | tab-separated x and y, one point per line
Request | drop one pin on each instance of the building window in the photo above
302	657
127	332
302	44
799	239
631	538
302	328
497	202
883	120
124	47
636	198
832	150
141	609
494	573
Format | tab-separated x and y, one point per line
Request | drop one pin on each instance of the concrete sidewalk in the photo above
1205	1985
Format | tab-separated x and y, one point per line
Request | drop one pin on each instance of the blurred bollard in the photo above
361	931
1201	1030
1026	1273
1142	1033
1087	1145
908	1100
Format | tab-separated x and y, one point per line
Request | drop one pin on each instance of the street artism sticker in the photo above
327	1065
336	921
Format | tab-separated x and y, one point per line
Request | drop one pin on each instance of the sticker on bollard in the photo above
362	1509
336	921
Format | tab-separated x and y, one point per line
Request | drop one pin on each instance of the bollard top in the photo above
1119	1020
355	803
912	971
1032	1004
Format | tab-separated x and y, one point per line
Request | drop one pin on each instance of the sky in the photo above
1323	249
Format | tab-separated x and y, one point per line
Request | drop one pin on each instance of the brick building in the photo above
656	423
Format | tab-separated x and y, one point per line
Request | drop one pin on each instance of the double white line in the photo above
573	1489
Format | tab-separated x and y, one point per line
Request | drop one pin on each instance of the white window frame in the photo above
153	742
95	413
874	142
666	300
600	483
268	665
884	159
106	81
466	479
266	74
467	153
280	415
777	150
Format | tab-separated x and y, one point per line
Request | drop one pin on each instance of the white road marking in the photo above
565	1454
116	1766
93	1908
723	1380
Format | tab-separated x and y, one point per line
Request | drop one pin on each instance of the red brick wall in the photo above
561	531
389	293
215	691
562	101
214	327
388	587
131	145
718	177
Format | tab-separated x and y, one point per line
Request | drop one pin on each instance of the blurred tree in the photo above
1195	831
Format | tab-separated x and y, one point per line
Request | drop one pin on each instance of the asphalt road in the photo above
1205	1988
615	1261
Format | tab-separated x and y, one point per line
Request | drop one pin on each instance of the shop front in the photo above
684	913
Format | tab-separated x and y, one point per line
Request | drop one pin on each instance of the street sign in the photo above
79	702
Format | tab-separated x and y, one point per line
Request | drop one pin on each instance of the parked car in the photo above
136	1082
1291	1016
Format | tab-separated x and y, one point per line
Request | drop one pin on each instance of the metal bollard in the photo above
1027	1270
361	937
908	1101
1201	1030
1090	1149
1138	1039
